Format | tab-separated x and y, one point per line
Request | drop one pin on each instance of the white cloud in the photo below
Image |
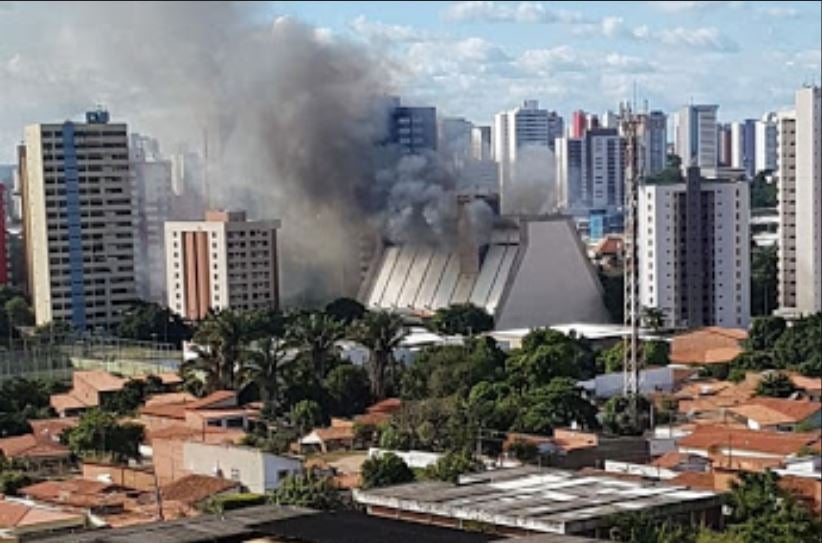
778	12
705	38
378	31
674	6
509	12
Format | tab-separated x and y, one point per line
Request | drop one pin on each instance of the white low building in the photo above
258	471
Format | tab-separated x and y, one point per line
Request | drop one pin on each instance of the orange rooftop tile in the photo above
711	345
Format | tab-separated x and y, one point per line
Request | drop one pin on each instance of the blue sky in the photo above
746	56
471	59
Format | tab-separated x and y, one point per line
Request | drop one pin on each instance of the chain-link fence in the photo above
56	361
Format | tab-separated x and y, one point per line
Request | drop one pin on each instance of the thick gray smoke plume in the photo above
292	117
532	189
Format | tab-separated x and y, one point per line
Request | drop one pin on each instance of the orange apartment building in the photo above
223	261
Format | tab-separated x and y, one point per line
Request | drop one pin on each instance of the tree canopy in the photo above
385	470
152	322
99	434
462	319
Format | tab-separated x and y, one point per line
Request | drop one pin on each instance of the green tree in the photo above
222	338
453	464
775	385
307	489
348	390
126	400
764	286
642	528
315	336
262	367
19	312
524	451
653	318
546	354
763	511
381	332
444	370
763	193
764	333
305	415
345	310
99	433
656	352
462	319
618	415
555	405
800	346
152	322
385	470
754	360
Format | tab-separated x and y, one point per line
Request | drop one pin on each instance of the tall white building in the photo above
765	143
696	136
590	172
221	262
743	146
520	128
79	221
799	177
694	254
153	195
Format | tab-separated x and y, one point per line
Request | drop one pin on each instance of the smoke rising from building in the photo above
293	120
532	188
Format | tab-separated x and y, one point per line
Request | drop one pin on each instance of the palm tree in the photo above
222	338
653	318
381	332
262	367
315	336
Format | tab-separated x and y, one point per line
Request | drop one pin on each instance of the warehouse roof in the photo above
539	500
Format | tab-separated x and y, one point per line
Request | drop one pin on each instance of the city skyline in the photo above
470	59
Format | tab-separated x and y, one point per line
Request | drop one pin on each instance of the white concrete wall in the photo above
256	470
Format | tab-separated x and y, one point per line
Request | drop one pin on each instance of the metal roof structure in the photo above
539	500
277	522
532	272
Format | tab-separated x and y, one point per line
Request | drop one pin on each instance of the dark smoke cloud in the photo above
292	116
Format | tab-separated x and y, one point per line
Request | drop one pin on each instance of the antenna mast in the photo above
630	122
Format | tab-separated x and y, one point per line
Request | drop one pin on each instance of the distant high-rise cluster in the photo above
106	218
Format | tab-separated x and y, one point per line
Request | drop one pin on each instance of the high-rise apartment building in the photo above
153	196
653	134
222	262
696	136
79	222
516	131
481	148
765	144
579	123
4	255
724	145
694	251
590	172
743	146
412	129
799	178
454	139
609	120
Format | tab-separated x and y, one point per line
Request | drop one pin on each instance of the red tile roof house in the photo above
39	455
93	497
18	520
733	447
191	491
340	435
88	390
778	414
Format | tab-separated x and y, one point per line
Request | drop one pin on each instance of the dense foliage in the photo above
764	286
98	434
772	344
462	319
153	322
22	400
307	489
385	470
